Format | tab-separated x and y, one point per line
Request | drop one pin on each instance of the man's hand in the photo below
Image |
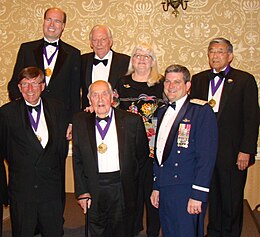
69	132
194	206
155	198
84	200
89	109
242	160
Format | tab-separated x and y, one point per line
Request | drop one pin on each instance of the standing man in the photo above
233	95
186	146
103	63
59	61
110	147
32	140
3	191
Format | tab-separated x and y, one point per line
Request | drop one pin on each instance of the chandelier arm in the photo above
184	4
165	6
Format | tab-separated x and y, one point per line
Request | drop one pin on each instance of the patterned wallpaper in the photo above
182	40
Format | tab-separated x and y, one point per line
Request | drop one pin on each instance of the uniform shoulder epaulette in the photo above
198	101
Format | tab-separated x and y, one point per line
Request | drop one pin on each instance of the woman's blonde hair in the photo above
154	76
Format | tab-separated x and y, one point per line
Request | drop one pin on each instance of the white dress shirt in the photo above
50	51
165	127
42	129
217	95
100	71
108	161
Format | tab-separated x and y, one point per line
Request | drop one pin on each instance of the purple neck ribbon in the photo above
103	132
214	87
32	121
49	60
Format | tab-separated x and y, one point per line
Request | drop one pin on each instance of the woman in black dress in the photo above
141	92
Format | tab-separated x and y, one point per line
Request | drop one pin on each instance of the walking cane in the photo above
86	215
86	224
86	219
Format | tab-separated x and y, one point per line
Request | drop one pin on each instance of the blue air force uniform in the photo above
186	167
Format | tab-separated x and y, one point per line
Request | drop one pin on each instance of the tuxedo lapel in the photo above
228	85
113	70
91	131
89	68
174	130
205	86
38	54
50	122
119	119
61	58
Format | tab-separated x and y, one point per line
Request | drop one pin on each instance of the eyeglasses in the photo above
33	84
218	52
144	57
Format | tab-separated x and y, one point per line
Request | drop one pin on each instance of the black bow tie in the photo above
100	119
221	75
173	105
49	43
97	61
37	108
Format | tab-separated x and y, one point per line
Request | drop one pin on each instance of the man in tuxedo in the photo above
103	63
233	95
3	191
185	149
33	141
59	61
110	147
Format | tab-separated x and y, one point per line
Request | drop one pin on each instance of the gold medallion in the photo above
48	72
102	148
39	138
212	102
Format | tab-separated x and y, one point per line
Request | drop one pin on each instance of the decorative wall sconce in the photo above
175	4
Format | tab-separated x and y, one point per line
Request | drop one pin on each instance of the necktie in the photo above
49	43
100	119
97	61
221	75
37	108
173	105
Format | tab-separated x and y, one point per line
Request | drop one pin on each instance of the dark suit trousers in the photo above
47	216
107	216
226	202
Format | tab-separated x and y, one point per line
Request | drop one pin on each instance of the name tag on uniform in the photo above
183	135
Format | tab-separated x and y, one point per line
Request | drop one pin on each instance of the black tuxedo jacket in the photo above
133	153
64	84
238	116
35	173
118	68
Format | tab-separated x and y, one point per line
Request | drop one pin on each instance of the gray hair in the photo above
98	81
96	27
222	41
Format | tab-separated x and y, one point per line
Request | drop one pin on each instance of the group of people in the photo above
170	142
